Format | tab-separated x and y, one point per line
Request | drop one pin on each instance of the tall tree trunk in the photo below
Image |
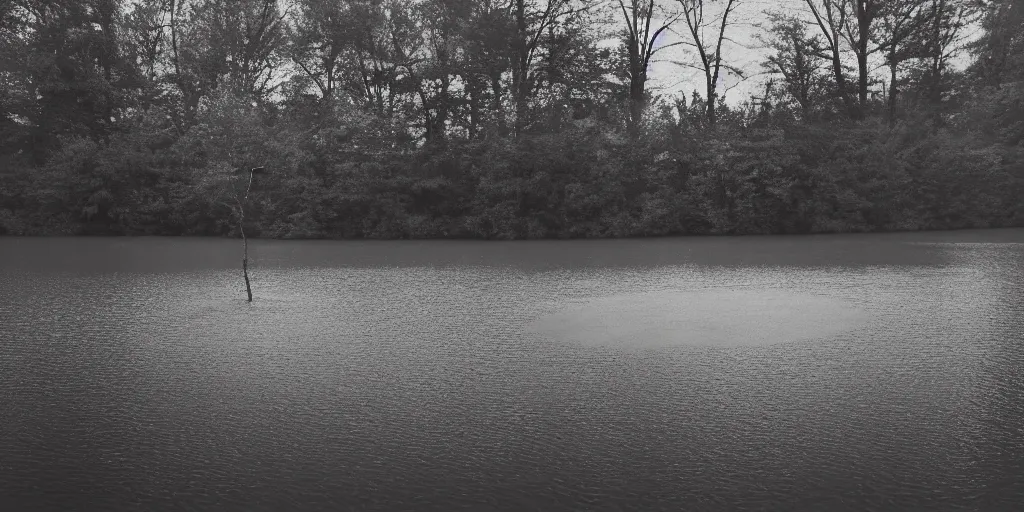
712	93
841	86
892	88
713	89
862	69
865	11
519	74
636	101
640	44
831	27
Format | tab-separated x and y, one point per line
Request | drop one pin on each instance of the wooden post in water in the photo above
245	265
241	227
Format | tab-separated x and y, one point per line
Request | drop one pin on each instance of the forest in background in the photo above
504	119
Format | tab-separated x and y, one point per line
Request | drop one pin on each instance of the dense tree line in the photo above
505	118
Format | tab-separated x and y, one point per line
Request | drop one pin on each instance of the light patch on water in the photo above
967	244
718	318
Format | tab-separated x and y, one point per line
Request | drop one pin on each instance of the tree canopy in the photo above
506	118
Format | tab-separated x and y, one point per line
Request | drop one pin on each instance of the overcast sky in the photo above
745	53
742	51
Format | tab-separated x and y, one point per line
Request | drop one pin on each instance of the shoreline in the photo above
707	236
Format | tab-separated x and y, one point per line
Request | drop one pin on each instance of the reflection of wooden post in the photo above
245	265
241	227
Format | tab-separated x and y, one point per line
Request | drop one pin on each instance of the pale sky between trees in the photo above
742	51
669	74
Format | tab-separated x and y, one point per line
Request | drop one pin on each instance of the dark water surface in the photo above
859	372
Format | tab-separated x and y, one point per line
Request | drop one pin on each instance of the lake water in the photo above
852	372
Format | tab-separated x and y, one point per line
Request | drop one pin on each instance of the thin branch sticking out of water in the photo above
241	227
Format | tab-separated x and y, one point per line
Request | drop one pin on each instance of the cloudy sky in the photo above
743	51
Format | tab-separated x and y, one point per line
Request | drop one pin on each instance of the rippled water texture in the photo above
714	317
860	372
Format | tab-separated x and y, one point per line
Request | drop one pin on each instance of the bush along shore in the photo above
145	119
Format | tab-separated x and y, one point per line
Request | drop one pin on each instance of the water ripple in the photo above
423	384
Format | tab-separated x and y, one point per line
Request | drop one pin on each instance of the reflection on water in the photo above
716	317
846	373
